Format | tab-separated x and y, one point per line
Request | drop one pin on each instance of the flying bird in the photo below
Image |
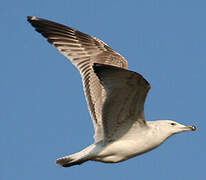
115	98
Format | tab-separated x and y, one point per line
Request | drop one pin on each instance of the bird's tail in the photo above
70	160
75	159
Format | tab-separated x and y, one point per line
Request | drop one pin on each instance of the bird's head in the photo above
169	127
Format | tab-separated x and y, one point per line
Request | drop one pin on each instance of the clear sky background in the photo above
43	112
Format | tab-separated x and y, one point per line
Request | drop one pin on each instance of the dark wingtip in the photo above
31	18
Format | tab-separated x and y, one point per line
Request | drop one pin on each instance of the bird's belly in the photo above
122	150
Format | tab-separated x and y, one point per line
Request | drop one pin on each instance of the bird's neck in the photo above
159	133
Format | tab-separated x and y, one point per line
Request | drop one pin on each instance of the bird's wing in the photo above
82	50
125	96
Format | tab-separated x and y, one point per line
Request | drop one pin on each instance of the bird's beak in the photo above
189	128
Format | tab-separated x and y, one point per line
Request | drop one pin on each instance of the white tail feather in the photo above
77	158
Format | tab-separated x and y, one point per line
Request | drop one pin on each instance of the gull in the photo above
115	98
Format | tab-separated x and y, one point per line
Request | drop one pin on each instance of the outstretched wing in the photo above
82	50
125	96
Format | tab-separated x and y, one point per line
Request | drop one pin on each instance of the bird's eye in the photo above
173	124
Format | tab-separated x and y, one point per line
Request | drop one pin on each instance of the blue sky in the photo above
43	111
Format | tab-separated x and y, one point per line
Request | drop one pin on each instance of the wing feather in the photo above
82	50
125	96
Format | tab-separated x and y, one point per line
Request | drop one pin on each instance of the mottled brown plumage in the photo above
82	50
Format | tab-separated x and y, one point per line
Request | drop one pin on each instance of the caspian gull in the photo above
115	98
